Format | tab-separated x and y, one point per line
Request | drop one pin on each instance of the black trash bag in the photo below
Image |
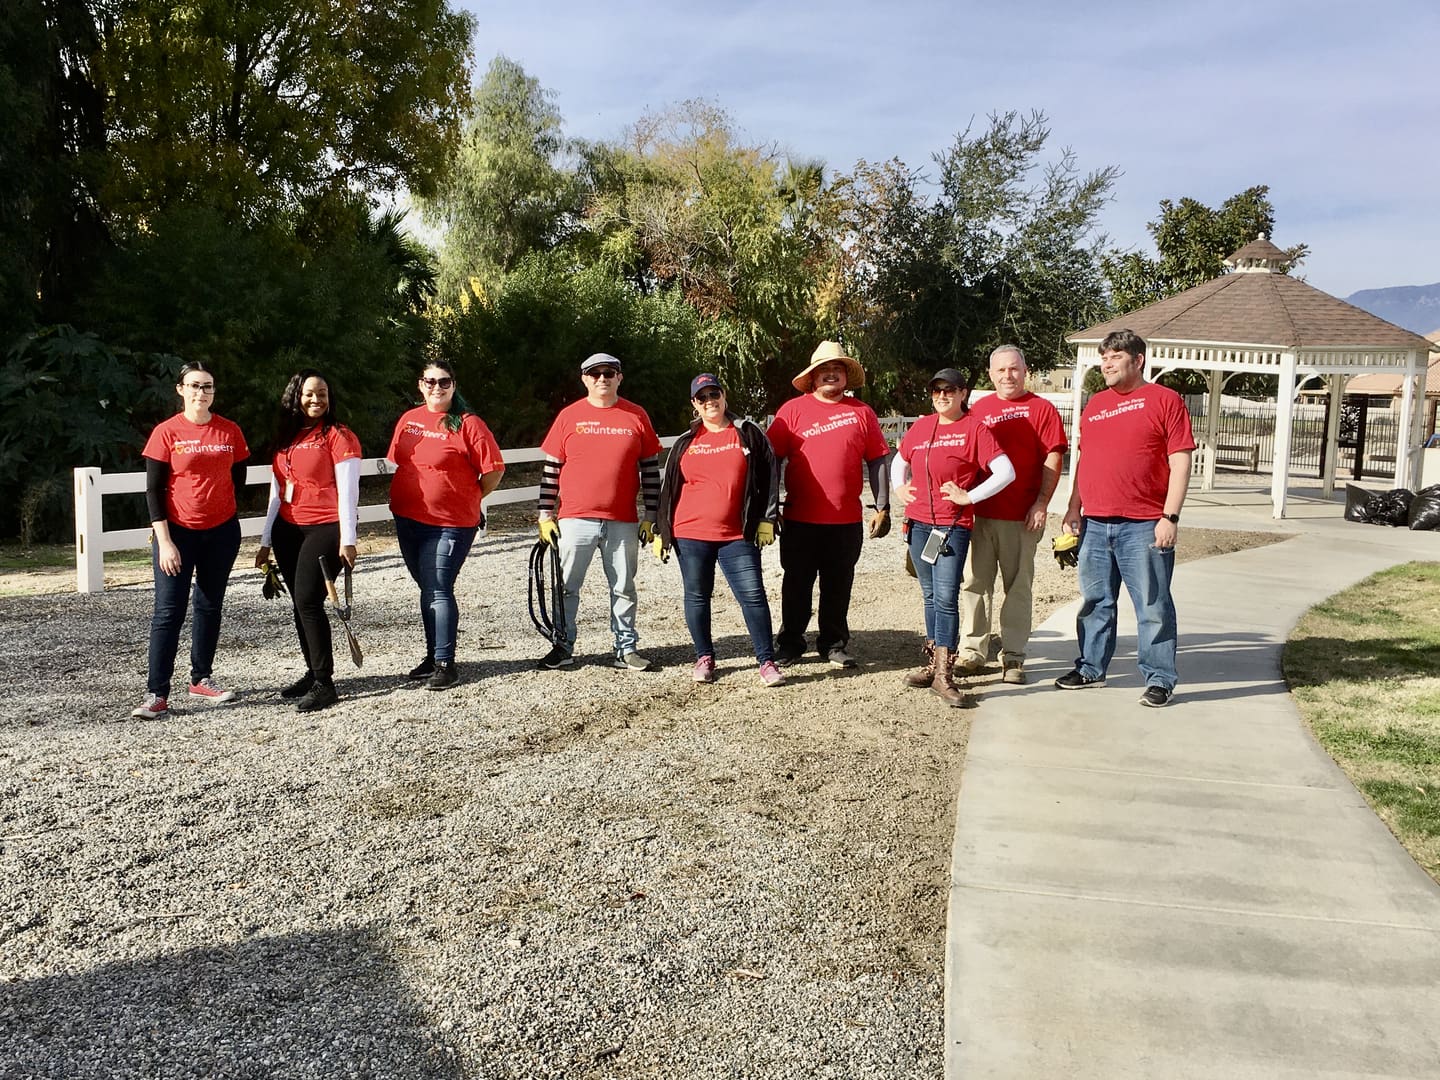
1391	508
1425	508
1357	503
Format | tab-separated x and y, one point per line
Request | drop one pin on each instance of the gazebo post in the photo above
1336	384
1406	457
1284	420
1212	430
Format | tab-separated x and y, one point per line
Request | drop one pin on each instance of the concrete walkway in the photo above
1195	891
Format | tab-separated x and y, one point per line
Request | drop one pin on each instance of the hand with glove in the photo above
550	531
647	532
1067	550
764	534
880	525
273	585
657	545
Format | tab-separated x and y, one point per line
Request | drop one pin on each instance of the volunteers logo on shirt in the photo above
195	446
413	427
1021	412
595	427
831	423
712	448
949	438
1133	405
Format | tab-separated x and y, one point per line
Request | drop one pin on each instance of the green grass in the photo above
1364	667
47	557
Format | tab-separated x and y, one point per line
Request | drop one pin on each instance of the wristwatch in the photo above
1174	519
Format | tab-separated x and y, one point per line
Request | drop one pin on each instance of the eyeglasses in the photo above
203	387
444	384
937	391
603	373
709	395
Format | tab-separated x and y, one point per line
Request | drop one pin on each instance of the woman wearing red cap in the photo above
719	501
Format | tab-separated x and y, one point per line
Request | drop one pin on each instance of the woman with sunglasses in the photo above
194	464
445	461
946	463
313	514
719	501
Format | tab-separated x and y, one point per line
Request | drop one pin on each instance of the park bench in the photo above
1237	453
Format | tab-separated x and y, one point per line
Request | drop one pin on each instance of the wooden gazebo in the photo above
1260	320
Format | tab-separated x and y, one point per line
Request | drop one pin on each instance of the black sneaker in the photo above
422	670
445	675
786	655
1077	680
299	688
1156	697
320	696
556	659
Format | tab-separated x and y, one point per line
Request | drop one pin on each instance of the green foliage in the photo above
1000	250
518	355
253	108
258	304
503	196
68	400
1192	242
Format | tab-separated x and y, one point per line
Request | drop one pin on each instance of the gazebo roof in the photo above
1258	306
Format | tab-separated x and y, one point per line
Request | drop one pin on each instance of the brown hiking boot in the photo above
1014	672
924	675
943	685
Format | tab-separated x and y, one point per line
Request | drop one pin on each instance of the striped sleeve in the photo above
650	485
549	486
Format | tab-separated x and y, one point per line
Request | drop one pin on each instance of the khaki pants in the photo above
1009	547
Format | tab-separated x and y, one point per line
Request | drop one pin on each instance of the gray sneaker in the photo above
632	661
838	657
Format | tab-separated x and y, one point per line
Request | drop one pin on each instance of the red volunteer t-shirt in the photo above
1028	429
713	468
309	464
437	475
200	494
601	450
825	448
1126	441
938	453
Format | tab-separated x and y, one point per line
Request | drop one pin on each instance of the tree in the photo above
503	195
987	256
1192	242
254	107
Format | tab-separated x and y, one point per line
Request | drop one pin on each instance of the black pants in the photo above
206	555
830	553
298	549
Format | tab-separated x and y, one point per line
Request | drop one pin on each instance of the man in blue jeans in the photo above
1125	501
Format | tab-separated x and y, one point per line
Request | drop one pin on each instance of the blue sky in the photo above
1334	105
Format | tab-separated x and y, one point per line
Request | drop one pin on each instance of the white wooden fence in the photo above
92	485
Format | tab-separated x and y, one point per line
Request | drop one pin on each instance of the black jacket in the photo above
761	501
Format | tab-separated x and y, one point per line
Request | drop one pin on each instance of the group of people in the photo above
973	481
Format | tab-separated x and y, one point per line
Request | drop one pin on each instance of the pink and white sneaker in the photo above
211	691
704	669
771	675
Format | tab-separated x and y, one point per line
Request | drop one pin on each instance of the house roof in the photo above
1380	383
1259	309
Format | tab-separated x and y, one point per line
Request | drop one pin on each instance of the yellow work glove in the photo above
880	524
647	532
657	545
1067	550
765	534
550	531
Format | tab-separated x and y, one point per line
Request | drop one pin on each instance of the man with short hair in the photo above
828	442
1008	525
599	453
1125	500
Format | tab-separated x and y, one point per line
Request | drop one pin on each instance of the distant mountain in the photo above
1415	307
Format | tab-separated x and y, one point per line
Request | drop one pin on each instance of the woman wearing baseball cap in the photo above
719	501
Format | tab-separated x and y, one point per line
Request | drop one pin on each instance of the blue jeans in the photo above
618	543
740	561
940	582
206	555
434	555
1116	551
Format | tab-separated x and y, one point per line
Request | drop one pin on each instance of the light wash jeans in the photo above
1112	552
619	545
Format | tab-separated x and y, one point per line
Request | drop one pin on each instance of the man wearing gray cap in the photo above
599	454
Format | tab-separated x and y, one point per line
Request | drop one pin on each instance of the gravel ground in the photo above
588	873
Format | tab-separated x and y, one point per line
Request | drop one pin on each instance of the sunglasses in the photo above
936	391
603	373
443	384
709	395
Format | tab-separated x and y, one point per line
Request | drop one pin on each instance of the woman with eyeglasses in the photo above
947	462
719	501
313	514
194	464
446	461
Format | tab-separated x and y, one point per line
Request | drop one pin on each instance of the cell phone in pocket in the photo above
934	545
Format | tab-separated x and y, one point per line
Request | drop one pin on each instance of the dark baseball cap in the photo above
951	376
701	381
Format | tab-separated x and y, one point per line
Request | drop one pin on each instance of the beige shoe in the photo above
1014	673
971	665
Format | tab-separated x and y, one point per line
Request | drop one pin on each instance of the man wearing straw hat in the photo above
828	442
